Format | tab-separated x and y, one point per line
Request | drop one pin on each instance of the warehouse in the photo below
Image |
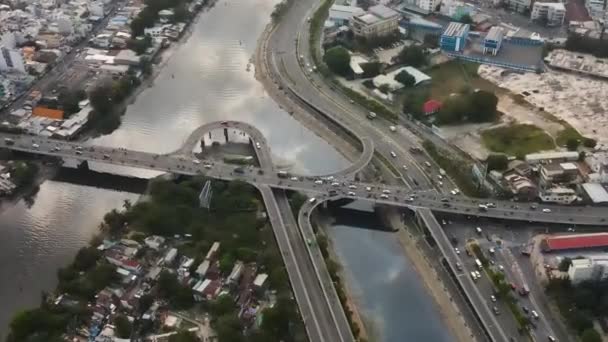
574	242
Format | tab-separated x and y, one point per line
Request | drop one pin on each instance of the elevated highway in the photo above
341	186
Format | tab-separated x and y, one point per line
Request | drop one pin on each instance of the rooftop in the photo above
495	33
596	192
555	5
455	29
577	241
383	12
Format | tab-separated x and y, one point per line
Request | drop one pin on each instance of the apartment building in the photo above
553	13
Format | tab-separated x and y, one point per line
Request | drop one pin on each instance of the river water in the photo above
208	77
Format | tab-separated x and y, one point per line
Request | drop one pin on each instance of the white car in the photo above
335	184
493	299
35	146
457	250
367	188
383	196
319	182
350	193
196	161
295	179
353	187
385	191
411	199
257	145
405	167
546	210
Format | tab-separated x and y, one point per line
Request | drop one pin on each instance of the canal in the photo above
209	77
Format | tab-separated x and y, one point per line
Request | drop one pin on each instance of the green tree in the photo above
371	69
572	144
184	336
431	40
589	143
338	60
226	262
497	162
482	106
228	328
24	173
137	27
413	56
35	321
466	19
86	258
591	335
123	326
564	265
405	78
181	13
115	221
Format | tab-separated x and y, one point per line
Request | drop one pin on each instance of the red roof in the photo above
431	106
577	241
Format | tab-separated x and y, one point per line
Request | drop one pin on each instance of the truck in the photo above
414	149
282	174
524	290
371	115
478	263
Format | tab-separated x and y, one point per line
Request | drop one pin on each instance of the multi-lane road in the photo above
337	185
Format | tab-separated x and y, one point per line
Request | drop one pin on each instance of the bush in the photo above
589	143
405	78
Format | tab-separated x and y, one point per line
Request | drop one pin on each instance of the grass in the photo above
454	76
566	134
517	140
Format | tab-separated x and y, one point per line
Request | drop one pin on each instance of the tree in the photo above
405	78
123	326
137	27
181	13
572	144
371	69
184	336
591	335
228	328
466	19
413	56
483	106
338	60
115	221
564	265
431	40
86	258
589	143
24	173
497	162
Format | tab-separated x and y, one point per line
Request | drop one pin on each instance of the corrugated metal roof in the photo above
577	241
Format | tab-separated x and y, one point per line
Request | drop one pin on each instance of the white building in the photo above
594	268
558	195
378	21
11	60
553	13
428	5
342	15
520	6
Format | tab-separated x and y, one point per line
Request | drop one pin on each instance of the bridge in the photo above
339	184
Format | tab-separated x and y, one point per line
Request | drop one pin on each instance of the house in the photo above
213	251
170	256
259	283
155	242
431	107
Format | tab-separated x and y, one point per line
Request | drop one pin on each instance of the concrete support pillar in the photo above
226	134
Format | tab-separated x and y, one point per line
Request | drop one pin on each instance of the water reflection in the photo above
392	298
37	240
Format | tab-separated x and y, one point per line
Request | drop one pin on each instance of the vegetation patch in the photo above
517	140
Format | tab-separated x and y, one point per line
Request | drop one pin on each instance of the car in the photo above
551	338
571	229
383	196
546	210
224	123
78	152
525	310
513	286
257	145
496	311
386	191
493	298
352	187
535	314
207	166
35	146
57	148
411	199
490	205
106	156
367	188
196	161
335	184
295	179
350	193
392	128
405	167
501	268
393	154
319	182
477	274
445	199
457	250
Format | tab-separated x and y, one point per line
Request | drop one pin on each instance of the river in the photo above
208	77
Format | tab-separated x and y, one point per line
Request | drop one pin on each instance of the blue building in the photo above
493	40
454	37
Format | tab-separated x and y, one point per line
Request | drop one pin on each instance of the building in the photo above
454	37
536	158
561	173
342	15
520	186
560	195
48	113
377	22
595	268
431	107
521	6
394	85
595	193
552	13
170	256
575	242
11	60
493	41
428	5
